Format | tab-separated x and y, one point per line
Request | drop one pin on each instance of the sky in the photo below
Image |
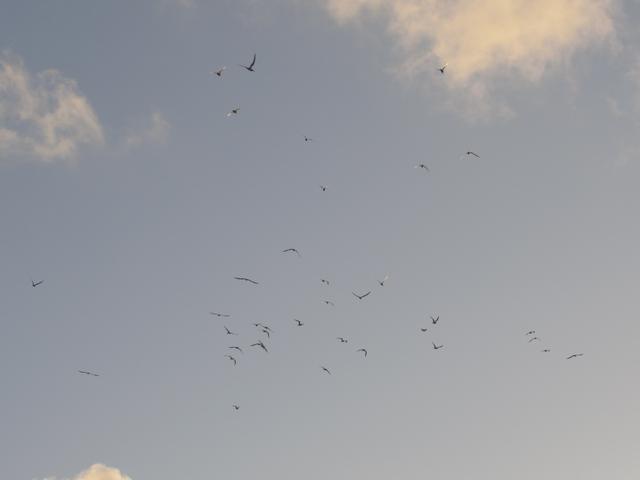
126	187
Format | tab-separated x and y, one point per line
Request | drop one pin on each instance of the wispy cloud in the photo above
44	117
154	133
98	471
482	40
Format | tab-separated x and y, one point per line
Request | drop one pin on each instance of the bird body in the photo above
291	250
245	279
219	315
423	166
435	320
342	339
85	372
230	357
35	284
219	72
381	282
360	297
234	111
473	153
229	332
442	68
575	355
298	322
329	302
250	67
363	350
326	370
261	345
436	347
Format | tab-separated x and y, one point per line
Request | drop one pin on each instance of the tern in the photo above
250	67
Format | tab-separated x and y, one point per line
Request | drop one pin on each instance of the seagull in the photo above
237	348
326	370
266	332
265	327
546	350
236	407
533	339
435	320
436	347
423	330
245	279
530	332
381	282
229	332
234	111
473	153
35	284
84	372
235	362
422	165
292	250
360	297
323	188
324	282
575	355
442	68
308	139
329	302
261	345
220	71
342	340
219	315
363	350
250	67
298	322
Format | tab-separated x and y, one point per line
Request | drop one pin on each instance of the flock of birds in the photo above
266	330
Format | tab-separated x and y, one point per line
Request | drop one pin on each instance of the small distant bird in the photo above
324	282
326	370
219	315
261	345
85	372
422	165
546	350
245	279
575	355
342	339
298	322
329	302
435	320
436	347
229	332
533	339
423	330
236	407
235	362
308	139
381	282
266	332
473	153
237	348
234	111
530	332
323	188
250	67
35	284
442	68
364	350
219	72
360	297
292	250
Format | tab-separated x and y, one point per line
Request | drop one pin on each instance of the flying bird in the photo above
234	111
530	332
323	188
308	139
326	370
35	284
381	282
219	315
236	407
235	362
546	350
342	339
292	250
250	67
435	320
423	330
84	372
298	322
422	165
473	153
442	68
219	72
360	297
436	347
364	350
245	279
329	302
266	332
229	332
237	348
261	345
324	282
575	355
532	339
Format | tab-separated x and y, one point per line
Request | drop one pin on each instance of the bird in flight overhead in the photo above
85	372
35	284
546	350
236	407
219	72
473	153
442	68
323	188
530	332
363	350
292	250
381	282
532	339
342	339
266	332
435	320
575	355
423	330
422	165
360	297
234	111
219	315
329	302
237	348
235	362
298	322
245	279
436	347
324	282
308	139
250	67
229	332
326	370
261	345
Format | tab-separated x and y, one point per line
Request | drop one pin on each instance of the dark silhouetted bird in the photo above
533	339
436	347
546	350
236	407
233	111
435	320
237	348
250	67
326	370
381	282
575	355
220	71
85	372
473	153
245	279
261	345
423	166
229	332
329	302
530	332
342	339
219	315
324	282
35	284
360	297
363	350
423	330
235	362
298	322
323	188
442	68
292	250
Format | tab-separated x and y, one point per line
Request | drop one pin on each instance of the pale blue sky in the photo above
139	231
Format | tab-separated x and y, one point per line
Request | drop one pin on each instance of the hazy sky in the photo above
127	189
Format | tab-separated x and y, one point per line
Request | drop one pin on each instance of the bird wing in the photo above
253	62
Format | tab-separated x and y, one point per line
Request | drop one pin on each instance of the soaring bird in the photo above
422	165
323	188
381	282
324	282
360	297
298	322
235	362
364	350
234	111
236	407
35	284
533	339
442	68
435	320
530	332
423	330
326	370
237	348
342	339
245	279
292	250
261	345
575	355
229	332
250	67
85	372
546	350
329	302
219	72
219	315
308	139
266	332
473	153
436	347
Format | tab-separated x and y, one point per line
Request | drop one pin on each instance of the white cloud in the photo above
43	116
485	40
156	132
98	471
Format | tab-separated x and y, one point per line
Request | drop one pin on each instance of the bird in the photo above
250	67
229	332
234	111
423	330
219	315
532	339
422	165
308	139
436	347
360	297
219	72
298	322
85	372
326	370
342	339
237	348
292	250
329	302
35	284
235	362
381	282
364	350
266	332
530	332
261	345
323	188
245	279
236	407
473	153
435	320
546	350
575	355
324	282
442	68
